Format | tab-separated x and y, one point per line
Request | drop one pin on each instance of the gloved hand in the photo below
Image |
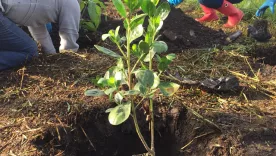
266	4
174	2
49	27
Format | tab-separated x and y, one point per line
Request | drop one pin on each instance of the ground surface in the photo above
43	110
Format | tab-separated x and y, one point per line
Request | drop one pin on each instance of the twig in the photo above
61	123
88	138
8	126
189	143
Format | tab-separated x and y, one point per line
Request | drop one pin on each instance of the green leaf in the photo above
107	51
120	63
105	36
144	47
155	2
94	92
93	13
145	77
120	7
102	81
168	88
148	7
159	47
137	20
89	26
119	114
132	4
163	11
82	5
131	92
149	56
156	81
136	32
117	36
163	63
118	98
110	90
109	110
140	88
111	81
171	57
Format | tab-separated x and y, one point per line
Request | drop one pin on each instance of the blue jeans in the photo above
215	4
16	47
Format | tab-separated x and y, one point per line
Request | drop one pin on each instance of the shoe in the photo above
234	14
209	15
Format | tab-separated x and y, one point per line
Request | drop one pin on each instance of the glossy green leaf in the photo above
139	87
107	51
136	32
111	81
131	92
163	11
159	47
118	98
119	114
93	13
132	4
82	5
89	26
168	88
137	20
94	92
156	81
105	36
163	63
149	56
155	2
109	110
145	77
120	7
144	47
148	7
110	90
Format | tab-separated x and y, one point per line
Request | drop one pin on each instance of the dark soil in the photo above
43	110
189	33
266	55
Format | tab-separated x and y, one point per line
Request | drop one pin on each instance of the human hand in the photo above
49	27
266	4
174	2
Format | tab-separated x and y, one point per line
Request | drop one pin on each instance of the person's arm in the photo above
267	4
42	36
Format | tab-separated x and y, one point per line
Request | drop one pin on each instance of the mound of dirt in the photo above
182	32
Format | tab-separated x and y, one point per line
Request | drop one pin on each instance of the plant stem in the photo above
151	114
131	97
151	152
152	126
121	50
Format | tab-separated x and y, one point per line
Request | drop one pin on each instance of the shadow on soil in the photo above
92	134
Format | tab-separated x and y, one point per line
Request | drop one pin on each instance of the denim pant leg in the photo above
16	47
216	3
211	3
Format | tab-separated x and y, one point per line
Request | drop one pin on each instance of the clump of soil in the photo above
259	31
266	55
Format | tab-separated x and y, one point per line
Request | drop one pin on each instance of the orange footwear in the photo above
234	14
209	14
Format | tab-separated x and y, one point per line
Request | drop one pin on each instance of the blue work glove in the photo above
266	4
49	27
174	2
